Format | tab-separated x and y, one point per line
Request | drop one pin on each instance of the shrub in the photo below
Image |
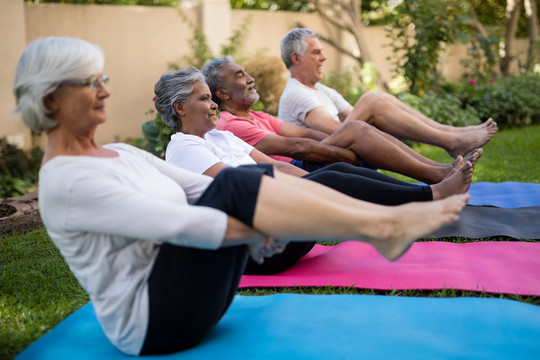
446	109
270	76
18	169
345	84
156	136
510	101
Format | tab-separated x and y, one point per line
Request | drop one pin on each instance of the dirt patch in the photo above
19	215
7	210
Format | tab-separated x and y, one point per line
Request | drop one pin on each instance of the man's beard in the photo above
246	98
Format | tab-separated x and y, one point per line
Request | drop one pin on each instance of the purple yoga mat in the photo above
491	266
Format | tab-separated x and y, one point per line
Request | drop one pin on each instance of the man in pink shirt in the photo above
233	89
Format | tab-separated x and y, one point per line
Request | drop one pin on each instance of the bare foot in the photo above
406	223
456	165
458	182
474	156
486	124
472	140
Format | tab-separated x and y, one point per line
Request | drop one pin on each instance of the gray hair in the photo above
295	41
43	65
213	75
172	87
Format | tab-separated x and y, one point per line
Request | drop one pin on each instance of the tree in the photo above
531	13
517	23
420	30
346	15
113	2
273	5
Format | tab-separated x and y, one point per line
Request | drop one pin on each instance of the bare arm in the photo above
320	119
260	245
214	170
261	158
305	149
292	130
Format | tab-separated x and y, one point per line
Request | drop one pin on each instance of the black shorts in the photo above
190	289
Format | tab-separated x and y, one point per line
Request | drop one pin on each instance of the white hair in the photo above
43	65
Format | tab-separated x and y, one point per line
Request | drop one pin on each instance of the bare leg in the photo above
406	148
383	112
374	147
307	210
425	119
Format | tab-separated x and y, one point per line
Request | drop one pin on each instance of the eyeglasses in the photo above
92	82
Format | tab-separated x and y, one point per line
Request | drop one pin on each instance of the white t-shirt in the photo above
195	154
298	99
108	217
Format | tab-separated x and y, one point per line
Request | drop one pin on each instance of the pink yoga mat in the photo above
491	266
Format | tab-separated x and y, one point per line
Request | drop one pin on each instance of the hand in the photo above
266	248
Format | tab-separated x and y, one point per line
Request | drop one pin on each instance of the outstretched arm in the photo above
262	158
304	149
319	119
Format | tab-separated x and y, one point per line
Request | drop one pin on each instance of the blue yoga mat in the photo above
505	194
291	326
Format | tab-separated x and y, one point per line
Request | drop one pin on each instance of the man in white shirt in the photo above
308	103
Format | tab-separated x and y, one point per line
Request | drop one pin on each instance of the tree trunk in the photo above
532	22
513	8
346	15
476	25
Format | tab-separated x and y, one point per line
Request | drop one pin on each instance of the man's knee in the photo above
356	127
373	100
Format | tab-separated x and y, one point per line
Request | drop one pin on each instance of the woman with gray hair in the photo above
160	250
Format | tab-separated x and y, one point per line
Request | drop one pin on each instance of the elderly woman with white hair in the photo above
161	250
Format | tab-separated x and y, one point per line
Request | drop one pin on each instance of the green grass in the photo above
512	155
37	290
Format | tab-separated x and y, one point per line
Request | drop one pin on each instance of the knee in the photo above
356	127
338	167
374	100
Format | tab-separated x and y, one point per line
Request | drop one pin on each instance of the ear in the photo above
51	102
295	57
223	94
179	108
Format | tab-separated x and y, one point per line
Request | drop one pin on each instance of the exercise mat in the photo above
478	222
505	194
291	326
490	266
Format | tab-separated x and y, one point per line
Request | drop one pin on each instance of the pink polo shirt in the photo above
251	131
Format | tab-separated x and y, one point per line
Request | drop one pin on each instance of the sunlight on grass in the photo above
512	155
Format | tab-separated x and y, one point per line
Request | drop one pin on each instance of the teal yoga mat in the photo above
291	326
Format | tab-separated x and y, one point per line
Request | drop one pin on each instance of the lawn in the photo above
37	290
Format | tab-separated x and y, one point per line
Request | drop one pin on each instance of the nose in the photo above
213	106
323	57
102	91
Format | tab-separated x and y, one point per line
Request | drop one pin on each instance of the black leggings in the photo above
369	185
358	182
190	289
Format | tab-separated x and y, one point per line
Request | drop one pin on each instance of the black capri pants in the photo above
369	185
191	289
